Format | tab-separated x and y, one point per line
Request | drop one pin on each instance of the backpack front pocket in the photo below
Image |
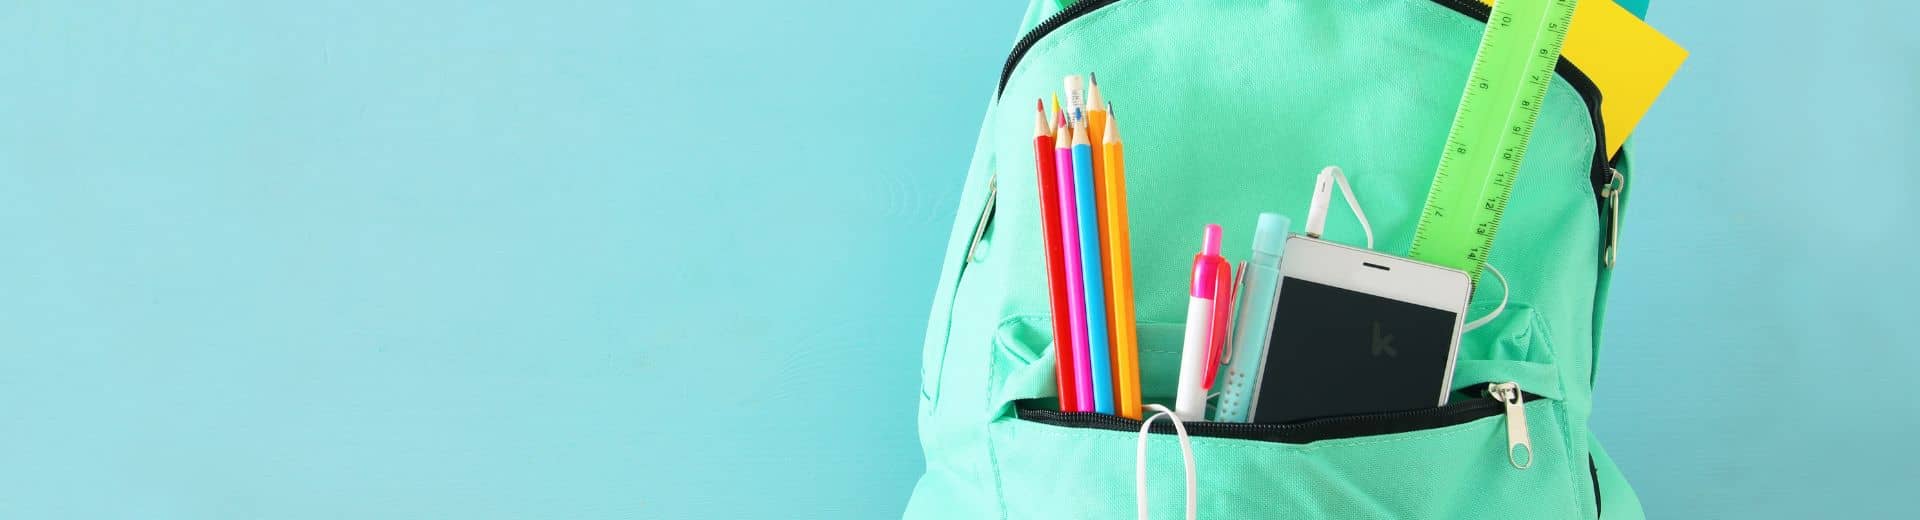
1444	462
1454	471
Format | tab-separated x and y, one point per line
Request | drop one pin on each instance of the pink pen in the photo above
1210	300
1076	285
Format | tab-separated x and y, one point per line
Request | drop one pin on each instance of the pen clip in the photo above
1222	309
1239	286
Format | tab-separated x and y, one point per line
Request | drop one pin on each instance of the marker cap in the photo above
1210	240
1270	234
1208	265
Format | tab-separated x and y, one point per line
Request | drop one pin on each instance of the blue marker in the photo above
1259	279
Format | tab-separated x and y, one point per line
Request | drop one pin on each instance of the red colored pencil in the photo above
1043	155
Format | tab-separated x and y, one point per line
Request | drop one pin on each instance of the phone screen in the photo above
1335	351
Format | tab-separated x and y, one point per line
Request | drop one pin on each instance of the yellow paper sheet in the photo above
1626	58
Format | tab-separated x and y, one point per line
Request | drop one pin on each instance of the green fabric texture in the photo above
1229	109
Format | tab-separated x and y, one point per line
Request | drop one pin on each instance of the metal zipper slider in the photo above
1612	192
1509	394
986	215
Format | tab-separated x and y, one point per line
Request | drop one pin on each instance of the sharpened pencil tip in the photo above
1112	136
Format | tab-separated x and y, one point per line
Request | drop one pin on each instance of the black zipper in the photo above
1046	27
1589	93
1593	470
1342	427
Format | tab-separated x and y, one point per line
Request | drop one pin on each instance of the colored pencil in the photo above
1059	116
1096	126
1119	258
1076	281
1096	132
1043	155
1098	347
1096	120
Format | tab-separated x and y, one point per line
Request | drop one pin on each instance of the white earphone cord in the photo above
1186	455
1319	207
1504	292
1340	178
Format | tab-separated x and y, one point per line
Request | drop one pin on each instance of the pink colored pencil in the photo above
1076	283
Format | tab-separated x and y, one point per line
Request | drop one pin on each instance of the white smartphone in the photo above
1354	331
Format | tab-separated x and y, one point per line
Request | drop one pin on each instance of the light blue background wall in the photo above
605	259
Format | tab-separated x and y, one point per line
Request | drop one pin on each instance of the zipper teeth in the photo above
1298	433
1041	31
1589	93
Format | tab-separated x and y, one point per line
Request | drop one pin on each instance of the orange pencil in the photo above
1096	124
1118	256
1096	134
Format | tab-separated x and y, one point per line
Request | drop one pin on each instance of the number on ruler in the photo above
1498	109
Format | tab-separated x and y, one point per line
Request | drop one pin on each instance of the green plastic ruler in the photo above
1497	112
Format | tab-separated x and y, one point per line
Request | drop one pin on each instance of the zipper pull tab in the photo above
986	216
1509	394
1612	193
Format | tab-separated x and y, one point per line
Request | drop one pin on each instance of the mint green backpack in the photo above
1228	109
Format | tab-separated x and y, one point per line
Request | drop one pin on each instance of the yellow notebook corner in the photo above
1627	59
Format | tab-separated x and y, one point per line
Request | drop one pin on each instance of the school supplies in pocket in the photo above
1086	175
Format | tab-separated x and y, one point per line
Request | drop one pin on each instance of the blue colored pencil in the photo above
1098	348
